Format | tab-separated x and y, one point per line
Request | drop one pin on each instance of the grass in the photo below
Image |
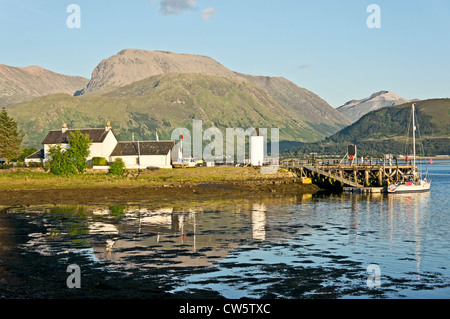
27	179
165	102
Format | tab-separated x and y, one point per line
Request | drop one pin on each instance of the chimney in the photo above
108	126
64	128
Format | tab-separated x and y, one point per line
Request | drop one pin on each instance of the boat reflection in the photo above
401	217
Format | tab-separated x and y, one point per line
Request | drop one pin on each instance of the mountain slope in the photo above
160	104
131	65
309	107
385	130
23	84
142	92
355	109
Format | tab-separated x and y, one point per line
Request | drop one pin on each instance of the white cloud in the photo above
175	7
208	13
305	65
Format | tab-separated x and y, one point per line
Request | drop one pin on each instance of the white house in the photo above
145	154
138	154
103	140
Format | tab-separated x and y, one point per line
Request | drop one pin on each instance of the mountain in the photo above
144	92
23	84
131	65
384	131
160	104
309	107
355	109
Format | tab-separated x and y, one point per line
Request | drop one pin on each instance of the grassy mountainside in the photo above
160	104
385	131
24	84
306	105
144	92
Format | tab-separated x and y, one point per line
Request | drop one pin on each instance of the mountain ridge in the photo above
19	84
384	131
355	109
131	65
161	103
129	85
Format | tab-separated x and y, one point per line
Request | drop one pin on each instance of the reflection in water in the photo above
259	221
249	247
415	206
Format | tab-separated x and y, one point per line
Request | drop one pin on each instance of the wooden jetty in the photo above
361	178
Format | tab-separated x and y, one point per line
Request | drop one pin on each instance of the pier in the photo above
360	178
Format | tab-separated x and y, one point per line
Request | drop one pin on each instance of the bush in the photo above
117	167
99	161
72	160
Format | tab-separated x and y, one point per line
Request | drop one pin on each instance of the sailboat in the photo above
415	183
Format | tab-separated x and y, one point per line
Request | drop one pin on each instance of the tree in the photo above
10	137
79	145
25	153
60	162
73	159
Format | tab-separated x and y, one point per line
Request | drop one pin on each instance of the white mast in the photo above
414	142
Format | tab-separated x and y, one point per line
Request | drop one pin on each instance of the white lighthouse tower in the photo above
256	149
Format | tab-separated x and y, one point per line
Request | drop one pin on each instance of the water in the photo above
279	247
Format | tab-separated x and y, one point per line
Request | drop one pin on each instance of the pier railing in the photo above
375	174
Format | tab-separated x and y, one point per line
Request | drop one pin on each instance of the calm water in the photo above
292	247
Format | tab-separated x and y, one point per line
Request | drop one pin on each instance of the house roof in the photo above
96	135
143	148
36	155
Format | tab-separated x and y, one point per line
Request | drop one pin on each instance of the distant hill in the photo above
160	104
24	84
355	109
144	92
385	130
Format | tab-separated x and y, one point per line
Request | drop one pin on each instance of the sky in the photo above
338	49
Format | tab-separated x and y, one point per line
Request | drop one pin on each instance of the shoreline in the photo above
124	195
183	184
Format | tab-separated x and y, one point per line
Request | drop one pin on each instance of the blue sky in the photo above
324	45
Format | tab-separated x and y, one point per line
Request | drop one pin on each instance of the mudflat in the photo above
185	184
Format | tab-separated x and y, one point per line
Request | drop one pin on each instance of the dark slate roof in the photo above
145	148
37	155
96	135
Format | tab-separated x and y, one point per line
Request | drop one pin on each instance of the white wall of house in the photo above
144	161
103	149
33	160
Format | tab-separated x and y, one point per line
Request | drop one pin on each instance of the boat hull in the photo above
410	187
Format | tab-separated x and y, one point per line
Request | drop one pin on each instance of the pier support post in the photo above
366	177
